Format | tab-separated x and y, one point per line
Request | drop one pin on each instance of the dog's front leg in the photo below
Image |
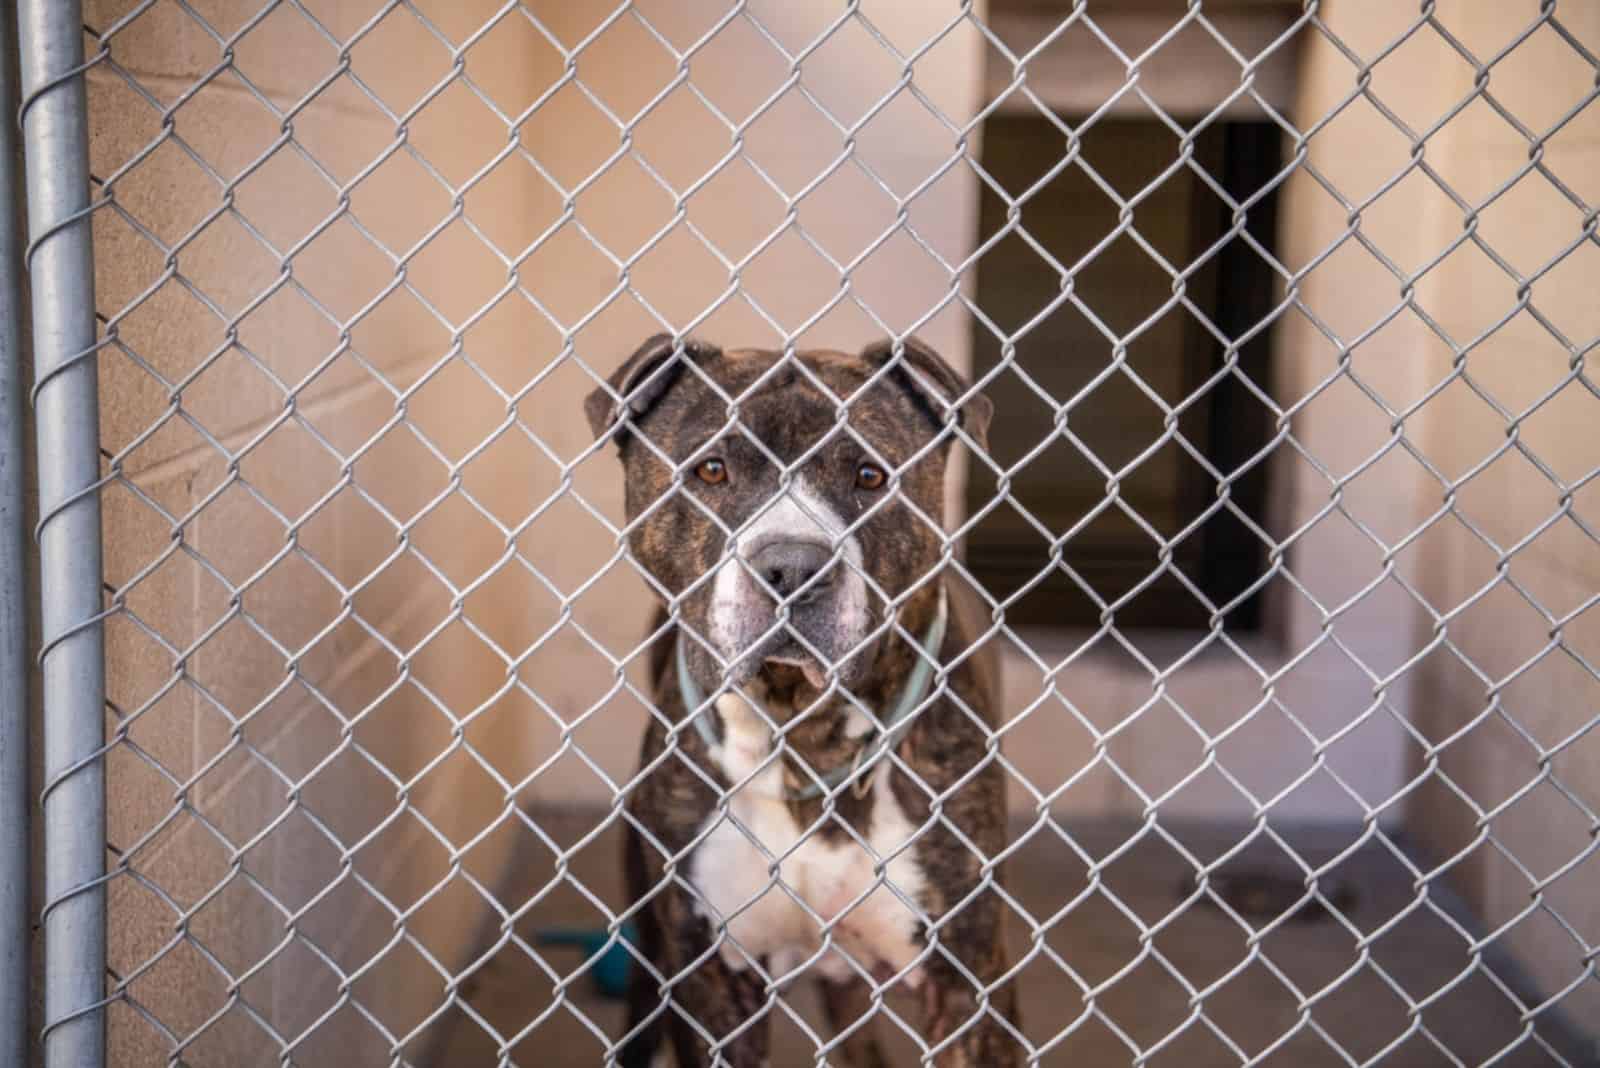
952	1007
848	1004
717	1015
969	1014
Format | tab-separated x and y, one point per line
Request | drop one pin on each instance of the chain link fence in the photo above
316	488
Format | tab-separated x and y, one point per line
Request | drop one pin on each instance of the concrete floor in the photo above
1247	1009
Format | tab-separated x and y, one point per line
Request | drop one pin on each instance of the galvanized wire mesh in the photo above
300	573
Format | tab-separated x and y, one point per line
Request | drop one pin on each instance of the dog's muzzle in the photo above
892	725
799	572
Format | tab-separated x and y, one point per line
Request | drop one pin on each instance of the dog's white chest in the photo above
777	887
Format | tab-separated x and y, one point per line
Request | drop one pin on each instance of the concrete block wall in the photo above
266	804
1493	695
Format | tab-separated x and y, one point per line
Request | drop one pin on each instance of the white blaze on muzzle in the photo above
742	610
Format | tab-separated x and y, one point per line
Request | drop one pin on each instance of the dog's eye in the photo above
712	471
870	477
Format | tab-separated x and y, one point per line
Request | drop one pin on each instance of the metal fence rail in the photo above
277	760
55	124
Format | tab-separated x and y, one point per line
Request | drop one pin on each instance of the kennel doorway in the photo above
1101	425
339	659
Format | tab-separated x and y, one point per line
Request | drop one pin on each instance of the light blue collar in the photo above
894	727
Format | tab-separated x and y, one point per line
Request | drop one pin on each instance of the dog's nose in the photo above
787	566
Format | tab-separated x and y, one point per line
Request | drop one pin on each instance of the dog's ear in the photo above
640	383
935	385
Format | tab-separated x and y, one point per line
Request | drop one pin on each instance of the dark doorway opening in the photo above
1069	417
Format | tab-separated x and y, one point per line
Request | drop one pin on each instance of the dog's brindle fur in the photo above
679	542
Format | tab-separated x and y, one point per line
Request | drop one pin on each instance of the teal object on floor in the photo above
610	970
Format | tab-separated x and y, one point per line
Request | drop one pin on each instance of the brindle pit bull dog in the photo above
803	747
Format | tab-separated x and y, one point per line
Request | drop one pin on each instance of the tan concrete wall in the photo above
1480	709
327	739
292	736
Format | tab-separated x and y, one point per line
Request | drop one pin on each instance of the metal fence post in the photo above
66	407
15	807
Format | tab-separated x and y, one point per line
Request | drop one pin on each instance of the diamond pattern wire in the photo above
257	423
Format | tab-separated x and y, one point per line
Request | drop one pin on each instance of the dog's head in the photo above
749	494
